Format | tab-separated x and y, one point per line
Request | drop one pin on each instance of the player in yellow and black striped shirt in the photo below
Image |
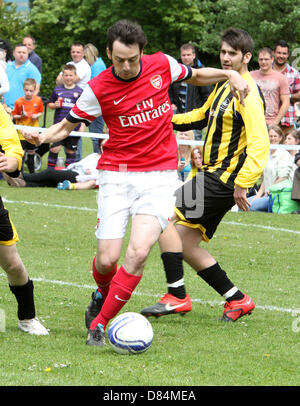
235	152
11	154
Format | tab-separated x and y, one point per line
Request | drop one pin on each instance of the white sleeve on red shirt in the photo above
87	107
178	71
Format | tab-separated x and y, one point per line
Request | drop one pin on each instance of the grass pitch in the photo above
260	253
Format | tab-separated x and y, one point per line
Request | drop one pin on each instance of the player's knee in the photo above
13	267
137	255
105	262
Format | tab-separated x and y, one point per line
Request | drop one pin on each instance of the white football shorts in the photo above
122	195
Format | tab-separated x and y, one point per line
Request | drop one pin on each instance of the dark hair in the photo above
4	44
266	50
127	32
77	44
283	44
238	39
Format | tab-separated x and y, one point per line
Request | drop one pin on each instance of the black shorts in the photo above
70	143
202	202
8	233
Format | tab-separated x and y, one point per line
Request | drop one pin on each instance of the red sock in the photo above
103	281
121	288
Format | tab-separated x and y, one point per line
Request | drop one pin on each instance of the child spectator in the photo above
27	110
62	100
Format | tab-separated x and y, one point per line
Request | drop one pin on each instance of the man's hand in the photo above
238	86
240	198
34	137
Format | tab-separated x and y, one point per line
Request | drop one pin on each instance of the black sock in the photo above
218	280
173	266
30	163
25	299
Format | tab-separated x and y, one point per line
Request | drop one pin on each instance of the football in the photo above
130	333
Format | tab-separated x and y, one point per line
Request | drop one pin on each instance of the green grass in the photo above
57	243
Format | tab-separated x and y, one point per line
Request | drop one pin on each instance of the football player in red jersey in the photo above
138	167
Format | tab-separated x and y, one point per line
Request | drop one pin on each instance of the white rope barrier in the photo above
181	142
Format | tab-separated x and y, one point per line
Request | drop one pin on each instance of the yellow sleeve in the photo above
257	139
9	139
195	119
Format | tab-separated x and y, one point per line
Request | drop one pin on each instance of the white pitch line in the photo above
201	301
59	206
286	230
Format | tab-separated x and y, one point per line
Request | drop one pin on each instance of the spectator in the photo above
62	100
97	66
196	158
293	138
83	69
17	71
274	87
29	42
78	172
281	56
5	45
279	167
296	182
4	84
27	111
83	75
184	154
186	97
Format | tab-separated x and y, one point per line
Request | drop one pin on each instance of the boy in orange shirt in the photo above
27	111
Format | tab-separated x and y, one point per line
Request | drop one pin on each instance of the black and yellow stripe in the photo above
236	147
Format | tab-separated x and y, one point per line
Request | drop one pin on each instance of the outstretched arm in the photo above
209	76
54	133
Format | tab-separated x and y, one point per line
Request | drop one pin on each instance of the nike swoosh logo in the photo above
170	307
122	300
119	101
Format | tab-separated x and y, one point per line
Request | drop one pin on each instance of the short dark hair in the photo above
77	44
282	43
128	32
5	44
238	39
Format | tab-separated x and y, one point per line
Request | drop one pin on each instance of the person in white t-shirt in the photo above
138	167
83	69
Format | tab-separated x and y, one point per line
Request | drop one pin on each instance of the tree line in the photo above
56	24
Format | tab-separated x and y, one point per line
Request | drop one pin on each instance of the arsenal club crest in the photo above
156	81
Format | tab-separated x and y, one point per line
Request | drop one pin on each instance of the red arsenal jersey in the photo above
137	113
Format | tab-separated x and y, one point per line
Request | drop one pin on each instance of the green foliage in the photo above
56	24
12	23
